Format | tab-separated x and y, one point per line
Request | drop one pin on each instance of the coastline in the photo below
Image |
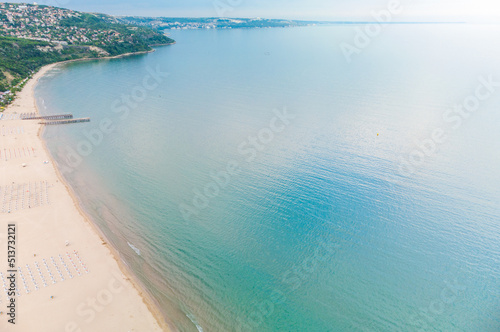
136	298
110	57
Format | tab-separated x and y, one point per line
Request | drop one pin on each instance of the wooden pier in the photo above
56	122
47	117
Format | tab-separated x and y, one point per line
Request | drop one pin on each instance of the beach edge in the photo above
146	297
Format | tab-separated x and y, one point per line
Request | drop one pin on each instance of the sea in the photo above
322	178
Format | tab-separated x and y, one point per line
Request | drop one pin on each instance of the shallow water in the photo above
343	216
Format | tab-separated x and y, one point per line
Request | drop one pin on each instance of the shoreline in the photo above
109	57
147	298
26	96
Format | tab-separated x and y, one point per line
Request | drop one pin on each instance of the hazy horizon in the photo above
482	11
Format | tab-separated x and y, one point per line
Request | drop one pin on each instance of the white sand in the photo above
104	299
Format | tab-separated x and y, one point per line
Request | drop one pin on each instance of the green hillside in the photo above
32	36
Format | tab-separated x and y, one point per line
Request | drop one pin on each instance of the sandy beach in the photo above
68	279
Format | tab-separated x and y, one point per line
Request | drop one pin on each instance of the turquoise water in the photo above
333	217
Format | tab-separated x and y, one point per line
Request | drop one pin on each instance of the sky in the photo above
421	10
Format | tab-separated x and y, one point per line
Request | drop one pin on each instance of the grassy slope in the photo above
20	57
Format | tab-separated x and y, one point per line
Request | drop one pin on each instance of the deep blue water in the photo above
369	207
